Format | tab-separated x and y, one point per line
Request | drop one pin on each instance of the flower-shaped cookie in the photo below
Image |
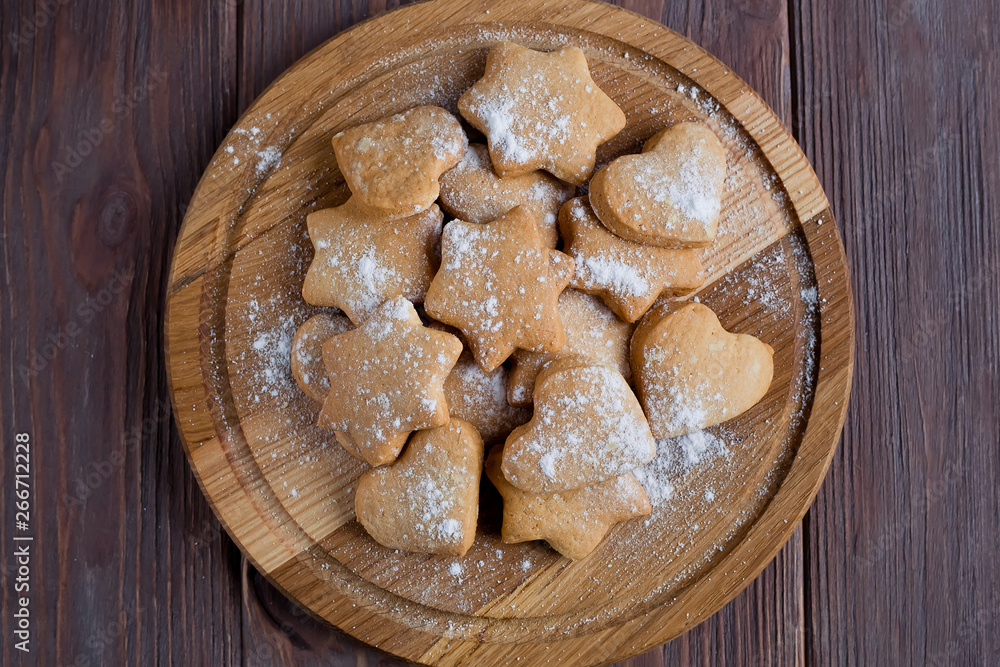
386	380
472	191
392	165
628	276
362	260
541	111
499	284
572	522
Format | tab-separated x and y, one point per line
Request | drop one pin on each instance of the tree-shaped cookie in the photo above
362	260
628	276
386	380
307	353
670	195
392	165
573	522
691	373
592	331
428	500
541	111
473	192
587	427
499	285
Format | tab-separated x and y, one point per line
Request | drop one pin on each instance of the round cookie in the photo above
670	195
480	398
473	192
307	354
690	373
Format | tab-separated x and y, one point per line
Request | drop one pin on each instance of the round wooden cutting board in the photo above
722	506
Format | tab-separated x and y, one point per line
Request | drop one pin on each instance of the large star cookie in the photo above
500	286
392	165
386	380
592	331
572	522
428	500
472	191
587	427
628	276
541	111
362	260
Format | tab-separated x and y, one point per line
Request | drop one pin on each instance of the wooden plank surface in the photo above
898	111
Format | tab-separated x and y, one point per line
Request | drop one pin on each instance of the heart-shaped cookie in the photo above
428	500
691	373
573	522
587	427
670	195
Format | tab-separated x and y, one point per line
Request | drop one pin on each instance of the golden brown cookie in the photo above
387	379
628	276
670	195
363	260
500	286
592	331
572	522
690	373
480	398
307	353
472	191
541	111
428	500
392	165
587	427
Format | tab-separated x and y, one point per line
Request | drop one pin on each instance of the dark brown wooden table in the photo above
111	110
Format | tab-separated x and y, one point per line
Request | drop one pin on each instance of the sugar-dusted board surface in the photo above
284	489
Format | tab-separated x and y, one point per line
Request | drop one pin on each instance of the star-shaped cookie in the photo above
541	111
628	276
499	285
363	259
573	522
386	380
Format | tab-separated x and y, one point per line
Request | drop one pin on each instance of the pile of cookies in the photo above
520	345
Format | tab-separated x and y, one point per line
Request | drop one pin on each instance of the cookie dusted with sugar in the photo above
307	352
428	500
473	192
670	195
573	522
587	427
362	260
541	111
392	165
386	380
592	331
628	276
691	373
480	398
499	285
